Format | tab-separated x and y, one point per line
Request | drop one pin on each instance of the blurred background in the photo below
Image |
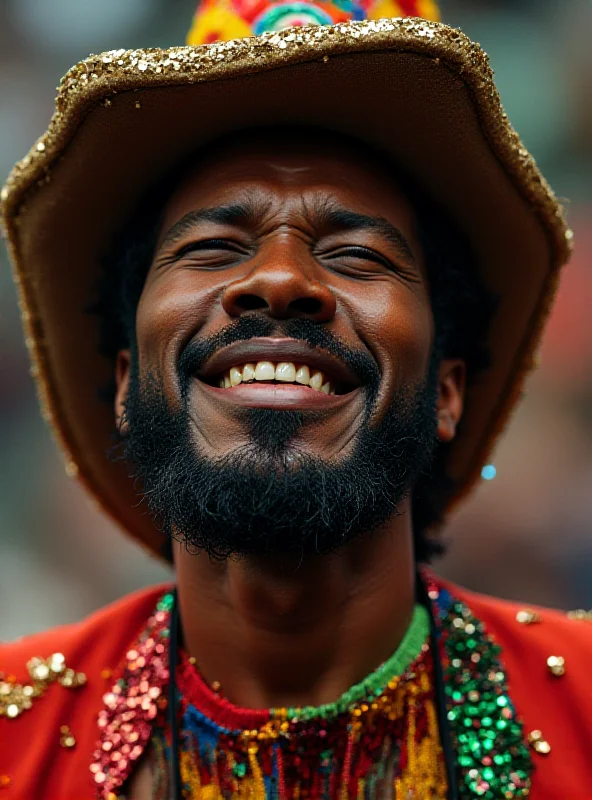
526	534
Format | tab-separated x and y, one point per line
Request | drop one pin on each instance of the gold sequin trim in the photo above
538	743
580	614
526	616
16	698
556	665
67	740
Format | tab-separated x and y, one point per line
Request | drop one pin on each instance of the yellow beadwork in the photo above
210	792
16	698
190	773
258	792
425	775
423	778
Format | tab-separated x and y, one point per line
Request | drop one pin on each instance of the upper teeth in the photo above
284	371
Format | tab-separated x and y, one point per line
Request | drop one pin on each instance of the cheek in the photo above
397	325
172	309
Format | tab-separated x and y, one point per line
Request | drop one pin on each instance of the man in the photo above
308	271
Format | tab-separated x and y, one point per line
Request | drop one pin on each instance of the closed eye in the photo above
211	245
357	253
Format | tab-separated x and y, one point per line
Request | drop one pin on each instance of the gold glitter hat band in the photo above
419	91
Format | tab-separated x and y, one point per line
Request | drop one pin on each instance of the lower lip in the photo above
274	395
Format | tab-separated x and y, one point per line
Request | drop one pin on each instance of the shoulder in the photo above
51	690
531	628
99	637
546	657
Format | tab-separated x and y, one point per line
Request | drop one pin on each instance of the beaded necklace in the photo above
380	740
381	733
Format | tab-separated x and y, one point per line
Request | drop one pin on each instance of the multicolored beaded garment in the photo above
379	740
381	733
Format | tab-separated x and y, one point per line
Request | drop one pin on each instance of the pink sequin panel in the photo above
131	707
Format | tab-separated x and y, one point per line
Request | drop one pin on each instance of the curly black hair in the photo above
462	307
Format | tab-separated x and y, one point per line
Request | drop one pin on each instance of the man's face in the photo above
284	339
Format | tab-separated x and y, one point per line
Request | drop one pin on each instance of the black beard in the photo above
270	498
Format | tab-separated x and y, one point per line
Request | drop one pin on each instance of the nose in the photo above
281	287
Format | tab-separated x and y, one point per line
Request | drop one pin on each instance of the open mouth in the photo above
278	372
288	367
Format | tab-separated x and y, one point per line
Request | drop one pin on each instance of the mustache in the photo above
253	325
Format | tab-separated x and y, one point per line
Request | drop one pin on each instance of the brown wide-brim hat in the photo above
419	91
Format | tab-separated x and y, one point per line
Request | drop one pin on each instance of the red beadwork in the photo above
130	709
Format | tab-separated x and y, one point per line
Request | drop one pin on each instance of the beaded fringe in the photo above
416	773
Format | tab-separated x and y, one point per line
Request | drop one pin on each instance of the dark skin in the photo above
272	632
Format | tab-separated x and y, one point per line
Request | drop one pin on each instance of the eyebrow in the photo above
329	216
231	214
342	219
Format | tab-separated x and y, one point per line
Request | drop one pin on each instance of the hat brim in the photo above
421	92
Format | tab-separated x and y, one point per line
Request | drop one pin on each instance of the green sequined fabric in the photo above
494	762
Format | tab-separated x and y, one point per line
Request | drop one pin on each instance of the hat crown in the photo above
221	20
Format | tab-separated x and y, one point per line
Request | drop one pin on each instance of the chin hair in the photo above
269	497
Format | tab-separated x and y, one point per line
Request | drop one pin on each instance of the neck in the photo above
279	632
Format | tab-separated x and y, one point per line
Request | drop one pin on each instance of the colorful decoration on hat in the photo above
221	20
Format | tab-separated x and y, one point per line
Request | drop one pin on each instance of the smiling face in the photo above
284	324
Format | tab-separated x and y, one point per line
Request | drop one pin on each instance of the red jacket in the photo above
40	759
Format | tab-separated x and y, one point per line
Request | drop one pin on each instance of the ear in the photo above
451	395
122	378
